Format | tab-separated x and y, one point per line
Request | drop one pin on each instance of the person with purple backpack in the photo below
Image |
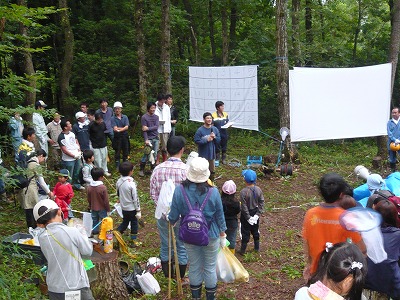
202	259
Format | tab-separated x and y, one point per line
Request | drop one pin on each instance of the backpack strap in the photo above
384	196
187	199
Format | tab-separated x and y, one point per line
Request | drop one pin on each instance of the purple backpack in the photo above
194	228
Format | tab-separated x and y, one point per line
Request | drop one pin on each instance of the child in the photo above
252	206
88	156
63	248
27	146
126	190
97	196
340	275
231	210
63	194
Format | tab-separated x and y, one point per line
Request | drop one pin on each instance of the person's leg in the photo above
196	261
104	155
125	148
256	235
156	144
211	167
245	230
224	145
125	222
86	294
210	265
231	233
30	220
134	224
392	160
75	173
181	251
116	144
96	220
69	165
162	226
97	157
164	146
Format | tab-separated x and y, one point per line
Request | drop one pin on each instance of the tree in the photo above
141	55
66	67
166	47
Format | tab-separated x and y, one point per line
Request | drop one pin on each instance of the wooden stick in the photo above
177	271
169	262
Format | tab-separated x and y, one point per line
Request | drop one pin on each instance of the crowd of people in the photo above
337	261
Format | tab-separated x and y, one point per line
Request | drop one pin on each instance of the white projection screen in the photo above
339	103
235	86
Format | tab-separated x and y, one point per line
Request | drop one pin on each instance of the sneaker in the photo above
216	163
141	173
134	243
107	174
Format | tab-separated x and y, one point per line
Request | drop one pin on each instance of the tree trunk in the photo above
193	31
29	70
357	32
225	38
141	53
393	58
321	20
232	25
309	34
66	67
296	33
108	284
166	47
282	71
211	25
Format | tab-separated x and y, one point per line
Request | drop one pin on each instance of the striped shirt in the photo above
172	168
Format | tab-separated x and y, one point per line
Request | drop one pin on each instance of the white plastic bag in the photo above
148	283
164	199
224	269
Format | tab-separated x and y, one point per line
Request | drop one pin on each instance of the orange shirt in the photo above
321	225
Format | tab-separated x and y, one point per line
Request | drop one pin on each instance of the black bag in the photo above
21	180
130	279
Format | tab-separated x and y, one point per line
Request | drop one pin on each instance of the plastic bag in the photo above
164	199
224	269
229	268
148	283
130	279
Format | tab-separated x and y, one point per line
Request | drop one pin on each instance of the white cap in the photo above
80	114
117	104
43	207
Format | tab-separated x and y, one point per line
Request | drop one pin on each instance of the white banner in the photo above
339	103
235	86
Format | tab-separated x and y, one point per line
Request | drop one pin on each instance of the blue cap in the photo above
249	176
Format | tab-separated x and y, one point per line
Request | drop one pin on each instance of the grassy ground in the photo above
278	269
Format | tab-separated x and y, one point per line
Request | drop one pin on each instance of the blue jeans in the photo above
74	167
231	232
162	226
97	216
156	143
392	156
203	263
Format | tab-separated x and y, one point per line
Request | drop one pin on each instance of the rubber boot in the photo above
196	291
182	270
224	158
210	293
141	171
164	156
232	250
242	250
257	246
212	176
216	161
165	269
393	167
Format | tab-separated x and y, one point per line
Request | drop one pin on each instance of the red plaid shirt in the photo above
173	168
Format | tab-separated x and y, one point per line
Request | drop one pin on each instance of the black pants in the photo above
121	143
223	144
129	217
246	229
30	220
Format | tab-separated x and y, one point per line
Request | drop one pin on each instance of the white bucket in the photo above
362	172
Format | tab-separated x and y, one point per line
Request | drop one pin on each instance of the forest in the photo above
68	52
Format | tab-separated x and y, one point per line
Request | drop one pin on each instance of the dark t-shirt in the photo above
97	135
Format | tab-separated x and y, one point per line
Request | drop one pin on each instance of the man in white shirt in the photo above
164	128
